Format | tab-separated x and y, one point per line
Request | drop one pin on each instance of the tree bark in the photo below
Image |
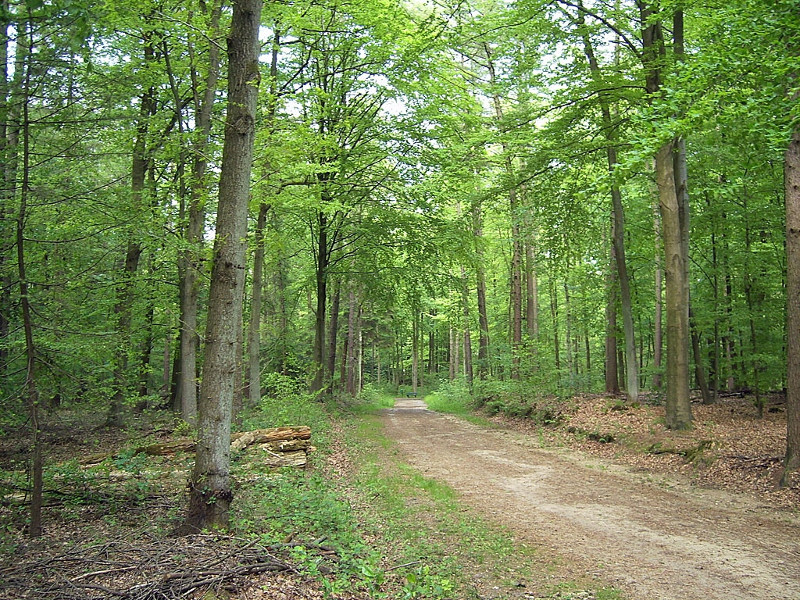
333	335
190	261
678	407
468	370
658	317
211	494
415	336
611	363
532	290
24	48
618	225
792	193
674	221
483	315
254	326
352	343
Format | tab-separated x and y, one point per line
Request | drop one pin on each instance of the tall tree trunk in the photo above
352	342
678	407
483	315
515	296
568	332
24	49
468	371
532	290
699	373
611	363
211	494
618	223
415	335
123	309
791	461
658	317
333	335
6	195
253	385
190	261
516	283
674	223
453	354
253	376
554	317
715	353
322	261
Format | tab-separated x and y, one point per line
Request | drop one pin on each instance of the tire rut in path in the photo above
681	543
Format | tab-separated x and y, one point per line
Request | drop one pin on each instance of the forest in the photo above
207	203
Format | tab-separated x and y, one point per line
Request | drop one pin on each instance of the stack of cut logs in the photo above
281	446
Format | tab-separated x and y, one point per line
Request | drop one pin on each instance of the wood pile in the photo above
281	446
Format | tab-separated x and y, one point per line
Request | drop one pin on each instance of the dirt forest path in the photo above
656	540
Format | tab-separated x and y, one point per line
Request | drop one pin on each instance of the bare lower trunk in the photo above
483	315
352	343
678	408
210	487
532	291
254	326
658	317
792	191
611	364
468	372
333	336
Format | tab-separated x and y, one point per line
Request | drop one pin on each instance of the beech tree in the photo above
211	494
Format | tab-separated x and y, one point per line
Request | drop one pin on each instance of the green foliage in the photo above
373	397
286	402
518	399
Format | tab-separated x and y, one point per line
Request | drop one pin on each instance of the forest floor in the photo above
605	498
660	515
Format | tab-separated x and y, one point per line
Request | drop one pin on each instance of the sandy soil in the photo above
654	537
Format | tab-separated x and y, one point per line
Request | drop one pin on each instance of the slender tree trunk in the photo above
532	291
618	225
699	373
568	332
792	193
123	308
322	260
468	371
415	333
6	193
658	317
554	317
483	315
352	342
516	284
611	363
211	494
190	260
24	48
333	335
715	353
253	385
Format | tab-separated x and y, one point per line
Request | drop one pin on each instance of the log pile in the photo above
280	446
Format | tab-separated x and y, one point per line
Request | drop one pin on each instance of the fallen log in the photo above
240	441
278	440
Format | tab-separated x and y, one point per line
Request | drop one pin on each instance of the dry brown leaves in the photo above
729	447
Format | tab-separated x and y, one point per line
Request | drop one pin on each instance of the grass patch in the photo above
435	543
434	546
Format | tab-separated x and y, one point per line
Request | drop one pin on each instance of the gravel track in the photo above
653	537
